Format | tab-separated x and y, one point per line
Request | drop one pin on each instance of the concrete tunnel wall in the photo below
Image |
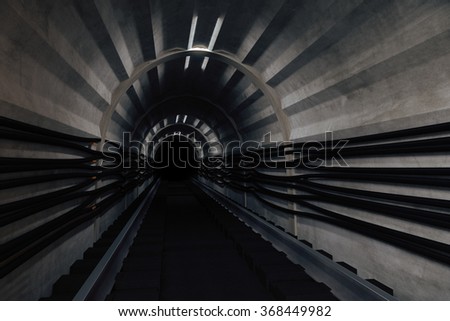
301	68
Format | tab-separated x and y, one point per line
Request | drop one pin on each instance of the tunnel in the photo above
176	158
224	150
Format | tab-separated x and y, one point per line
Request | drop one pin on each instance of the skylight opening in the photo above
191	39
205	63
213	40
215	34
187	62
192	32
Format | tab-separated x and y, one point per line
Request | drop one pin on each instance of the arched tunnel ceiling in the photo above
201	141
194	106
289	67
195	70
200	89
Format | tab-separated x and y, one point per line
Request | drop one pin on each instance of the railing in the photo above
101	280
93	182
322	193
345	284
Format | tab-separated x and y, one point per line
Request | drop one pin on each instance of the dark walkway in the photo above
181	254
199	261
189	247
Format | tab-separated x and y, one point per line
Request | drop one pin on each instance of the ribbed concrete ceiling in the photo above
180	57
243	68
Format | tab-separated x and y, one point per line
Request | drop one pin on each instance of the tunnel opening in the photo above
176	158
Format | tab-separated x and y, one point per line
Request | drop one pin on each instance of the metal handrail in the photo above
101	280
344	284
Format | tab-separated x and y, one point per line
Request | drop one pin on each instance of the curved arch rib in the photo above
156	105
248	71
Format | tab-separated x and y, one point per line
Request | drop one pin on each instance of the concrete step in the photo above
136	280
382	286
134	295
300	289
348	267
69	284
83	266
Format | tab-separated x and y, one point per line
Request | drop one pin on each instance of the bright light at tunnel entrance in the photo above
212	41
